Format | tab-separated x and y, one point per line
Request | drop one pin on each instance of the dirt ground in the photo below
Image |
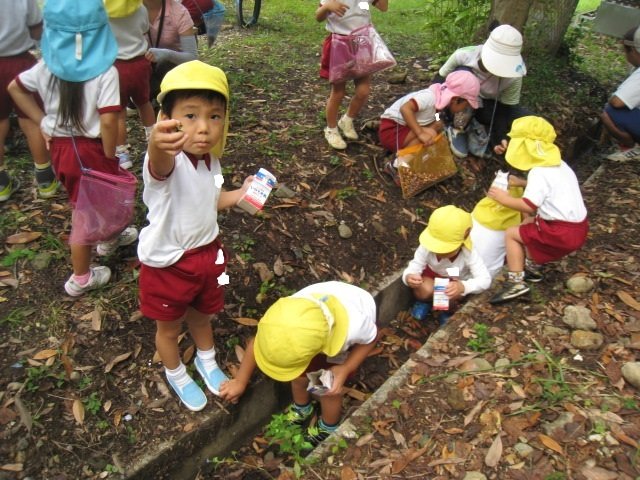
80	389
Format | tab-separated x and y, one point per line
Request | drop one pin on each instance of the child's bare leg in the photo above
147	116
199	325
331	406
35	140
515	249
425	291
122	127
167	333
360	96
299	391
333	103
80	258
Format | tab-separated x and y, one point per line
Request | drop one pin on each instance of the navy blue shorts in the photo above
626	120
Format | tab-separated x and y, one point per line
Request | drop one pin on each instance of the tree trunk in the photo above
512	12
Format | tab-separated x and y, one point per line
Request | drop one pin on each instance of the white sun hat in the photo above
500	54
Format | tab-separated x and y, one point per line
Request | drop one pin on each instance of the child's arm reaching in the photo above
233	389
332	6
507	200
165	142
341	372
109	133
426	135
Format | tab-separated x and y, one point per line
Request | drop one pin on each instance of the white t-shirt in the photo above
505	90
131	33
183	211
473	272
354	17
15	20
360	307
556	193
426	102
629	90
101	95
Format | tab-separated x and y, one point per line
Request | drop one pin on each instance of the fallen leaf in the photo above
494	453
23	237
96	320
116	360
347	473
363	440
628	299
12	467
239	353
44	354
550	443
249	322
474	411
598	473
188	354
25	415
78	411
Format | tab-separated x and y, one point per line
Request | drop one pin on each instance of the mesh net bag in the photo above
421	167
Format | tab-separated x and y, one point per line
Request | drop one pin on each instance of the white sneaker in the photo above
99	277
334	138
124	160
346	125
625	155
126	237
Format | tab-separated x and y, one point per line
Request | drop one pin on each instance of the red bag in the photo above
358	54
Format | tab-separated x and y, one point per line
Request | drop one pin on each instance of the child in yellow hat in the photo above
329	326
558	225
182	276
445	244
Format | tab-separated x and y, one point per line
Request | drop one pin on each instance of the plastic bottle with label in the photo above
256	195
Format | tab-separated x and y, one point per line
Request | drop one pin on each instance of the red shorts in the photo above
549	240
135	80
319	362
165	293
392	135
66	165
325	57
10	68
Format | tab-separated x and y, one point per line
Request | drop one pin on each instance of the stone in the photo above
344	231
482	364
397	76
585	340
455	398
379	227
284	192
501	364
551	331
523	449
41	261
558	424
580	284
579	317
475	476
631	373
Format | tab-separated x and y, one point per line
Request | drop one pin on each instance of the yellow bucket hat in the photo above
446	230
197	75
496	216
121	8
531	144
296	329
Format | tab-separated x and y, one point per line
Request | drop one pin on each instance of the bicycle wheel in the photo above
248	12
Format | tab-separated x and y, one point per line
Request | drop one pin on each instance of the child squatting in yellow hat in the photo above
445	244
552	195
329	326
182	276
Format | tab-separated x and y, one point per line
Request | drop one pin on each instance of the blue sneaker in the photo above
458	142
189	393
213	378
421	310
444	317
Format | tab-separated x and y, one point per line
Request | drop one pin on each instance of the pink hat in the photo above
460	83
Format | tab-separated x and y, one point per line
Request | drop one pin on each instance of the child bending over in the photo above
552	195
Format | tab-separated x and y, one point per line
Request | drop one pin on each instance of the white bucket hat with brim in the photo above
77	42
500	54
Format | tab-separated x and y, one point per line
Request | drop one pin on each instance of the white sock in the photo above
334	129
122	149
347	118
178	375
208	358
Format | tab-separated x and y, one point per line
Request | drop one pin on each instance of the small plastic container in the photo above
256	196
320	381
501	181
440	299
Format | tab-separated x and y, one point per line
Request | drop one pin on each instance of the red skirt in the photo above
549	240
392	135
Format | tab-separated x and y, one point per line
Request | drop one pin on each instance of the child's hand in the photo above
427	136
232	390
340	374
414	280
500	149
167	136
454	290
498	194
246	183
337	7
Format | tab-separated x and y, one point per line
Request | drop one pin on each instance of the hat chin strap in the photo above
323	307
78	46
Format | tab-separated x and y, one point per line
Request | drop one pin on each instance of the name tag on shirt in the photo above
218	180
364	5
